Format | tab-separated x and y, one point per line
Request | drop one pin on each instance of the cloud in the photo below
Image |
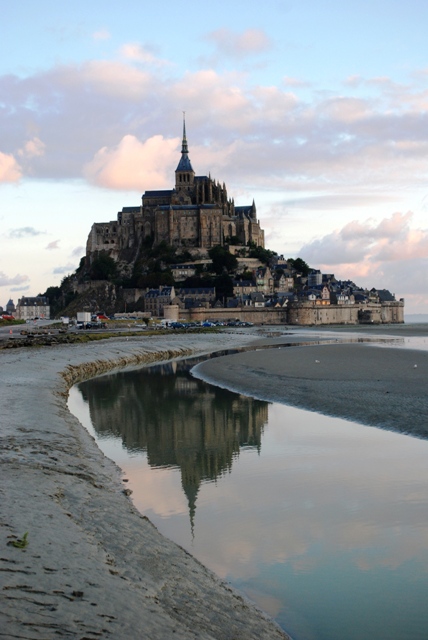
388	254
391	239
78	252
295	82
139	53
24	232
336	201
6	281
271	137
15	289
52	245
134	165
10	171
68	268
101	34
113	79
32	149
239	45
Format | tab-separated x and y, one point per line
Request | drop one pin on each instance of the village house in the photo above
257	299
283	282
191	297
264	280
243	287
32	308
314	278
181	272
156	299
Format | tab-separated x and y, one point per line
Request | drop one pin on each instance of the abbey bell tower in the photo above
184	174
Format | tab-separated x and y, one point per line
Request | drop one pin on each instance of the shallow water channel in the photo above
320	521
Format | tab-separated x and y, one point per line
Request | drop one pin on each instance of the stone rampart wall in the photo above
304	314
245	314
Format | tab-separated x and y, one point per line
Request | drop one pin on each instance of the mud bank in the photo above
378	386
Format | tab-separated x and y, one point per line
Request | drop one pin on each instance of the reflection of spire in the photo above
178	421
191	481
191	492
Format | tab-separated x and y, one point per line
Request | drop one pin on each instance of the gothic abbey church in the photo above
196	215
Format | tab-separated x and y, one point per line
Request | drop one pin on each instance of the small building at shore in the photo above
33	308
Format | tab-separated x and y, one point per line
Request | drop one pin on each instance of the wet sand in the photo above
91	566
378	386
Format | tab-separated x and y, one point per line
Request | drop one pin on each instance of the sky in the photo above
316	110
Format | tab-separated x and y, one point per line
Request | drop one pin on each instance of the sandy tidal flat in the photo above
378	386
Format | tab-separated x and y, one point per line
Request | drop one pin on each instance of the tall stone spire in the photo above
184	174
184	148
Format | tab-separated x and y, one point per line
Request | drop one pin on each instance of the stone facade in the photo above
196	214
156	299
30	308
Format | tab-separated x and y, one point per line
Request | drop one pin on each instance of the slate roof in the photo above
156	194
184	164
157	293
246	210
385	295
36	301
130	209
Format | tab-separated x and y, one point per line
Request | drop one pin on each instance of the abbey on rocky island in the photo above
195	215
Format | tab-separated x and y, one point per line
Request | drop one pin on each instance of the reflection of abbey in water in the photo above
180	421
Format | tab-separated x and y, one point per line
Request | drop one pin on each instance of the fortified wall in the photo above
301	314
308	313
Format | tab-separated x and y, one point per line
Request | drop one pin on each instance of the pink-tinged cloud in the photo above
135	165
239	45
389	254
284	141
214	96
345	110
6	281
10	171
139	53
392	239
53	245
114	79
32	149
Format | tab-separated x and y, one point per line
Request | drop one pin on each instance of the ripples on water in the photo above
320	521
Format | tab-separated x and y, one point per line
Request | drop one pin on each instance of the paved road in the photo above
14	330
